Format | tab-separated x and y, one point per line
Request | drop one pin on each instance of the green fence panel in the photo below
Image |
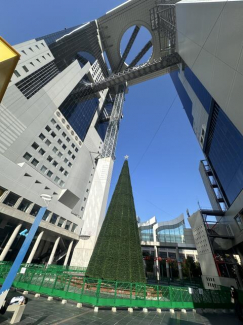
69	283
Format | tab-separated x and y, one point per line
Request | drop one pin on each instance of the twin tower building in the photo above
61	112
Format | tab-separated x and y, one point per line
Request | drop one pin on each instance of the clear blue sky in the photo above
164	172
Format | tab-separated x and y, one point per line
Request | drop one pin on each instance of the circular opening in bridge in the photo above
143	41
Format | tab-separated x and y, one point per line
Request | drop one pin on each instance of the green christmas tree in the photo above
117	254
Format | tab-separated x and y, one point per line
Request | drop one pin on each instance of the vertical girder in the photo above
113	127
128	48
141	54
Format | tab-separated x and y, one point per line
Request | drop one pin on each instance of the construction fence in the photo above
71	284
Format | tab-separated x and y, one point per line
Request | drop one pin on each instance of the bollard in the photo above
50	298
183	311
25	292
172	311
37	295
130	310
113	309
158	310
64	302
96	309
145	310
79	305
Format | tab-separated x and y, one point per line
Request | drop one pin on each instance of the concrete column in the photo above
35	247
167	269
180	270
178	263
68	253
10	242
53	251
157	273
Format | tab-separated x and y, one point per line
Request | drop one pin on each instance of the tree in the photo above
190	268
117	254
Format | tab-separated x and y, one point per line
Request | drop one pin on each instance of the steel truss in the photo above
163	20
113	127
168	61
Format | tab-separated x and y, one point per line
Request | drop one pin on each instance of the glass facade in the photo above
37	80
146	233
171	233
185	99
224	151
79	109
51	38
103	122
198	88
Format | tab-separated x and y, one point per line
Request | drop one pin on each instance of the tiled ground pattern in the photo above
40	311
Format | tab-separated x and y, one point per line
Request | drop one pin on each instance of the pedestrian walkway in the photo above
39	311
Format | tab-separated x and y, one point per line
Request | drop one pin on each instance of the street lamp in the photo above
23	250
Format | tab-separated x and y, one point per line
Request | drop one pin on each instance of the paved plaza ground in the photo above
41	311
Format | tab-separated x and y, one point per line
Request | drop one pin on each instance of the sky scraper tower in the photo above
60	122
60	140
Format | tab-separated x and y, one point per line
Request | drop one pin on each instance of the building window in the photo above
35	210
74	227
60	222
60	154
43	57
239	221
66	173
49	158
24	205
64	146
37	47
25	68
61	169
17	74
48	142
76	149
53	134
62	183
41	136
55	149
46	215
42	152
67	226
35	162
11	199
31	49
53	218
69	165
38	60
55	163
69	152
23	52
73	145
32	64
42	44
2	190
65	160
68	139
59	141
48	129
35	145
43	169
73	157
27	156
56	179
64	134
58	127
49	174
53	121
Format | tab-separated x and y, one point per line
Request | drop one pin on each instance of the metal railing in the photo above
62	283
